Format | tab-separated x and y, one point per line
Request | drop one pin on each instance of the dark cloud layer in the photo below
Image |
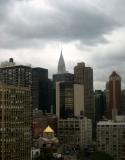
63	22
95	29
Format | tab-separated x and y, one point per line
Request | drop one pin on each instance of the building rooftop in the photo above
48	130
110	123
120	120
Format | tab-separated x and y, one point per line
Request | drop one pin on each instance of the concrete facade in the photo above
78	99
111	138
15	123
75	131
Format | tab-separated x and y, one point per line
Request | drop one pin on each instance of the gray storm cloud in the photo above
63	22
29	28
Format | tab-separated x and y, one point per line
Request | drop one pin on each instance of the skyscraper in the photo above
84	75
61	76
41	89
114	95
12	74
100	104
64	99
15	122
15	111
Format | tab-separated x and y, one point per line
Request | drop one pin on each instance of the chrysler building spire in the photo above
61	65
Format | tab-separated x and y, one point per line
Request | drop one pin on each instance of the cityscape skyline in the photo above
62	80
78	110
90	31
50	75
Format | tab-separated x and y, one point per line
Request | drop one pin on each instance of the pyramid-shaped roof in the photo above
48	130
61	65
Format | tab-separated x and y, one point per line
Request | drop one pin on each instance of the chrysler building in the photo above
61	65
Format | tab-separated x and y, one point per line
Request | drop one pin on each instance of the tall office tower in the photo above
64	99
18	76
111	137
12	74
100	104
84	75
15	123
41	89
123	102
114	95
62	75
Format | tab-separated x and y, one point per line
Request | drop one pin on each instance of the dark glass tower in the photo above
100	104
64	99
41	89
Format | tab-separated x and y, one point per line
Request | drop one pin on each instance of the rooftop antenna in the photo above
61	47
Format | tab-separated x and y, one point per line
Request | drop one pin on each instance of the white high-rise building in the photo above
111	137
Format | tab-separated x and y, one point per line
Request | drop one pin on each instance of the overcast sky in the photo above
34	31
